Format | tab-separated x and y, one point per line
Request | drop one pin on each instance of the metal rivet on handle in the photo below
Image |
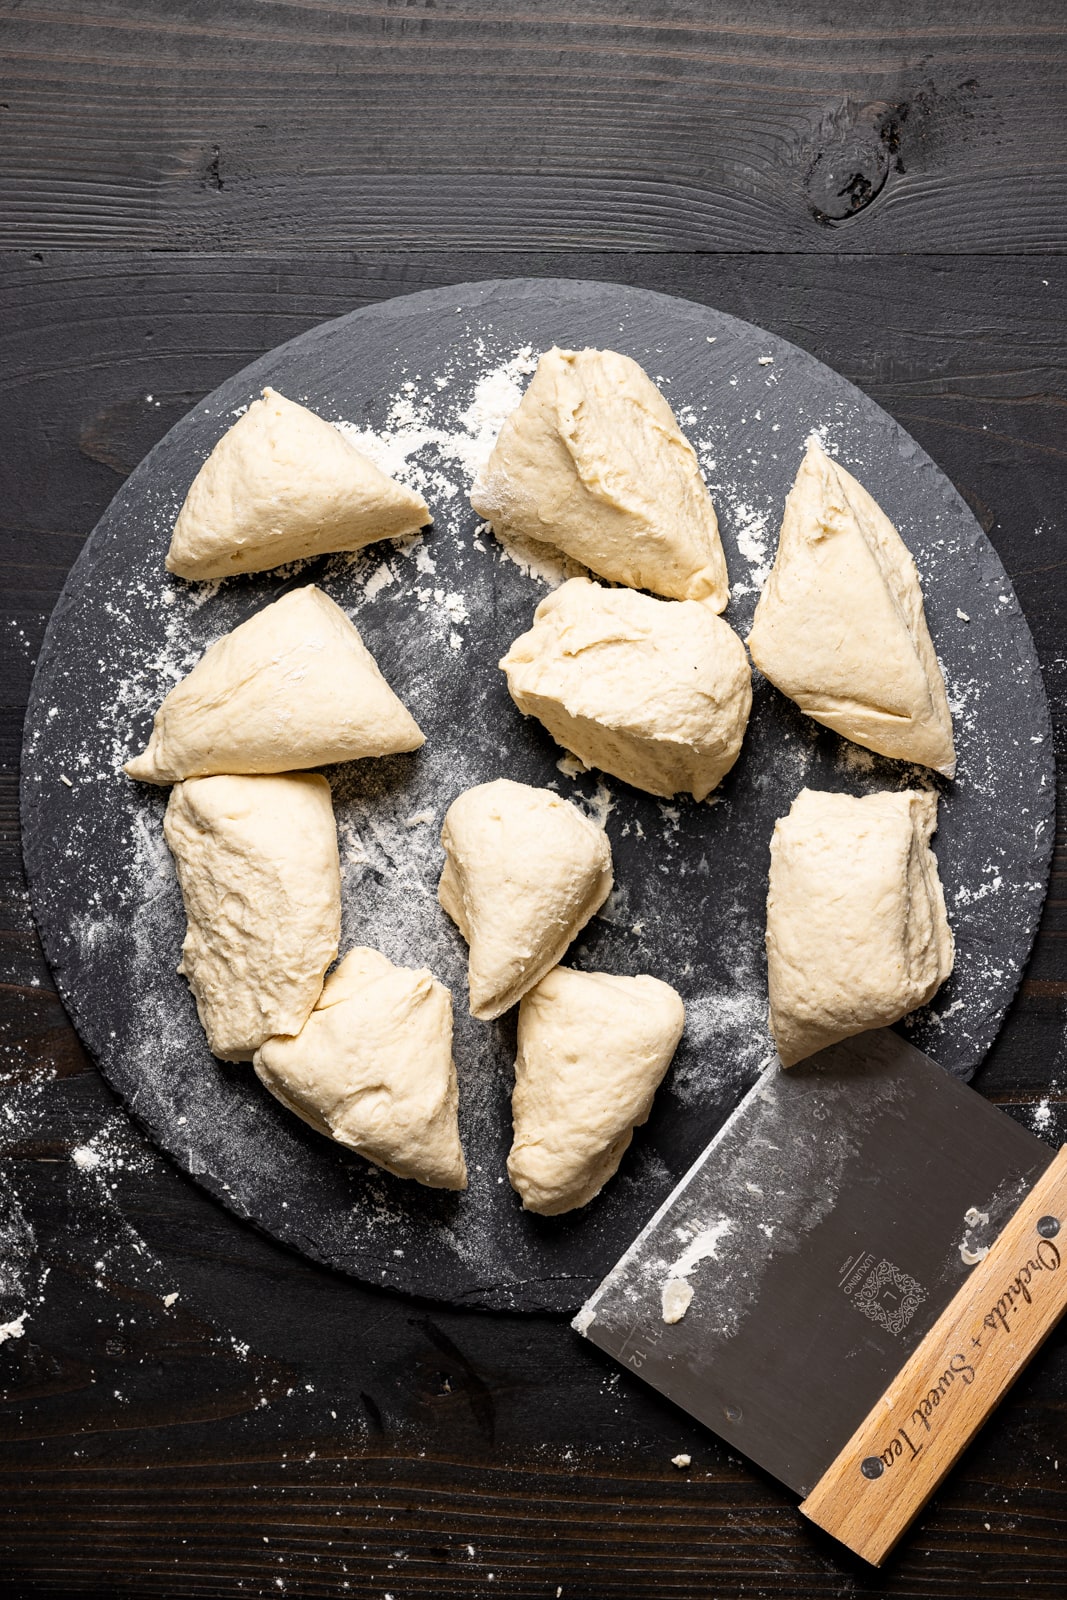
872	1467
733	1413
1048	1227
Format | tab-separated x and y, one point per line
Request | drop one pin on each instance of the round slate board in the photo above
428	374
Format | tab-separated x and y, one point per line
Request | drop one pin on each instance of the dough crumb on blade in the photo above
840	626
282	485
655	692
372	1068
257	864
593	463
857	934
676	1298
524	872
592	1051
293	687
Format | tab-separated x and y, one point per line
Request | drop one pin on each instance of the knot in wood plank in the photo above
859	145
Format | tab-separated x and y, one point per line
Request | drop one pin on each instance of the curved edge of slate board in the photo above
43	820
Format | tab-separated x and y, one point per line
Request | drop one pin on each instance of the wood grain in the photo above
151	1449
658	125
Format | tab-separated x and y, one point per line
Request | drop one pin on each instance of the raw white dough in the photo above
656	692
857	934
294	686
525	872
675	1299
840	626
282	485
257	864
372	1068
593	463
593	1049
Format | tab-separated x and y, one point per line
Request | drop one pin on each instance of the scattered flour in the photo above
413	445
599	806
442	459
22	1273
752	532
436	434
704	1246
380	579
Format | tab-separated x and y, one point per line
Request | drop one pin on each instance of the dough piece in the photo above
282	485
593	1049
372	1068
676	1297
840	626
594	463
656	692
857	934
257	864
294	686
525	872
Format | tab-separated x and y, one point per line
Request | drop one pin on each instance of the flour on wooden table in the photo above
22	1274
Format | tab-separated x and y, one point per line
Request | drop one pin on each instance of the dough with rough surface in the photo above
592	1051
593	463
655	692
524	873
293	687
282	485
372	1068
257	864
840	626
857	934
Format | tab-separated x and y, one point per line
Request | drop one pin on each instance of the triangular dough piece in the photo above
257	864
593	1049
282	485
840	626
594	463
294	686
525	872
656	692
372	1068
857	934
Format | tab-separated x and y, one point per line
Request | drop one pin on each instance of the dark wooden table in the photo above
189	1409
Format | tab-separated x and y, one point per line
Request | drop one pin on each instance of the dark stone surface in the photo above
691	880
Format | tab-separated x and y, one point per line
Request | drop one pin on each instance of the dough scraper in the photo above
847	1280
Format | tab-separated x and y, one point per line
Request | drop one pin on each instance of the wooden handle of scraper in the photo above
951	1382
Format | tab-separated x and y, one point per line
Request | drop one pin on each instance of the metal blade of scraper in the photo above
821	1235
